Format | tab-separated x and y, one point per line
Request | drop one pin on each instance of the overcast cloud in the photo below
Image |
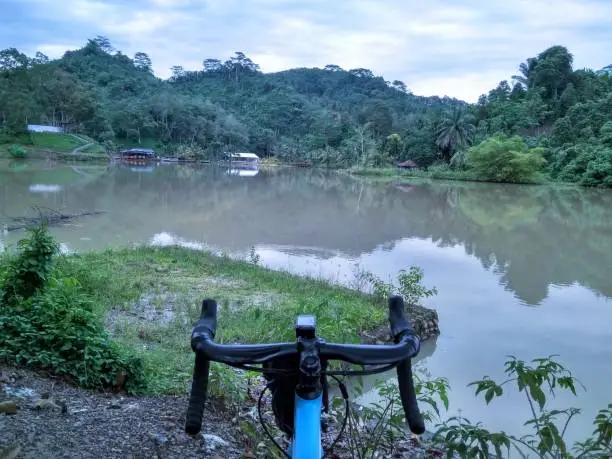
459	48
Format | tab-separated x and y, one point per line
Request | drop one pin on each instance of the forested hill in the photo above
549	120
328	113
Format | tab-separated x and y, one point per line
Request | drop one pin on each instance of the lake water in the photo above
520	270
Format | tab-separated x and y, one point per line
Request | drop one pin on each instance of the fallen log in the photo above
50	218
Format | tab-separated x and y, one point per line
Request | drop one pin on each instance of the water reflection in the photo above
489	249
531	237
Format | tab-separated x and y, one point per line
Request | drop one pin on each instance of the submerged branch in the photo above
50	217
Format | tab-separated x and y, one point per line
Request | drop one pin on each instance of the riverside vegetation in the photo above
79	316
548	122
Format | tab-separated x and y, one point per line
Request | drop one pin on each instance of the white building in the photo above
43	128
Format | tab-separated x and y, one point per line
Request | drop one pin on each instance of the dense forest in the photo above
549	120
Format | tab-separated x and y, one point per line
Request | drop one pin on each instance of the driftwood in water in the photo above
48	217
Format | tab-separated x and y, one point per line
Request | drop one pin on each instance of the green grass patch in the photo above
56	142
167	285
49	140
436	173
96	148
140	304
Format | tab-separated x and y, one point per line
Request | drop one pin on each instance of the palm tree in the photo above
455	132
527	73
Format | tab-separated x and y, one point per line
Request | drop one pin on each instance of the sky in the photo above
458	48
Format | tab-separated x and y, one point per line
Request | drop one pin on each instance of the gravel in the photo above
55	420
44	417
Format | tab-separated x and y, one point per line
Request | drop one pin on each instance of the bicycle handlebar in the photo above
407	345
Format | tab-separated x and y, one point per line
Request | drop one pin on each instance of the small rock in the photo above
45	403
214	441
160	439
114	405
8	407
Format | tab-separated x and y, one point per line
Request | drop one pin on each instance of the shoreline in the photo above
382	174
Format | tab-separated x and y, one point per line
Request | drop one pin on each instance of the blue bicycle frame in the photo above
307	429
299	370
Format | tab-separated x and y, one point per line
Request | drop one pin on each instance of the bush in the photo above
505	159
26	273
17	151
47	322
548	426
410	285
587	164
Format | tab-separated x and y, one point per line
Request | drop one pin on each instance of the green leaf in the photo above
538	395
489	394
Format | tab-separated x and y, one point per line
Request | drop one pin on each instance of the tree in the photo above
361	73
12	59
606	133
40	59
400	86
505	159
394	146
142	61
454	132
526	73
501	93
333	68
380	117
212	65
177	72
364	143
104	44
553	70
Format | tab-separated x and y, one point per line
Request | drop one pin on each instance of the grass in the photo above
96	148
58	142
60	146
255	305
436	173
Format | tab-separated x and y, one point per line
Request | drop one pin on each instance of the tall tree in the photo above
104	44
455	131
142	61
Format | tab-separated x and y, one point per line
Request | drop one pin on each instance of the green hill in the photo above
326	113
341	118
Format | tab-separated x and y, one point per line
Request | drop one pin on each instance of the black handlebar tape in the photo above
400	325
205	328
408	397
208	318
199	386
397	319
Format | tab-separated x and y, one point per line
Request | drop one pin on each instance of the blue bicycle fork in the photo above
307	429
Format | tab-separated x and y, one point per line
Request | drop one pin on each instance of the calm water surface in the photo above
520	270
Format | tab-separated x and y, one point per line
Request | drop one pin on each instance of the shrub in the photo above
410	285
17	151
27	272
47	322
505	159
548	426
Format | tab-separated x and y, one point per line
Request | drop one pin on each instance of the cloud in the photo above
460	48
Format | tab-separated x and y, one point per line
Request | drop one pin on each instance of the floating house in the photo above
137	153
